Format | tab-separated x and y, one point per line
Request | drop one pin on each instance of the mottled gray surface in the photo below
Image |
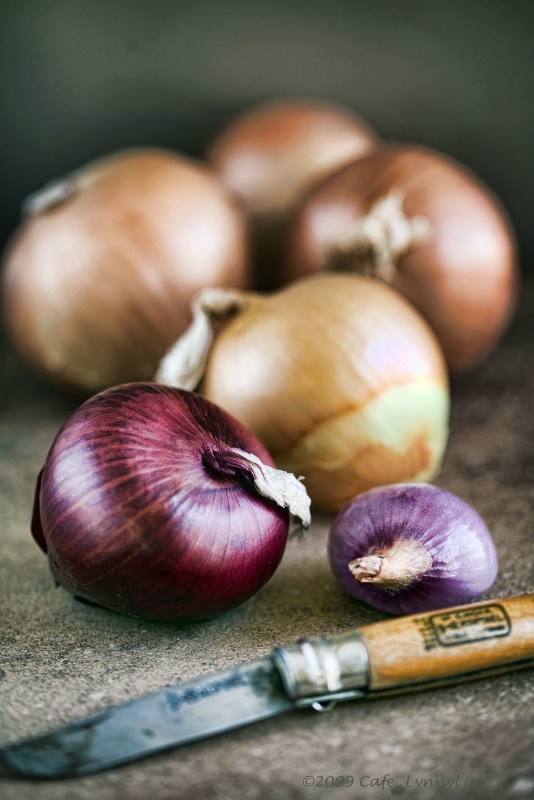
60	660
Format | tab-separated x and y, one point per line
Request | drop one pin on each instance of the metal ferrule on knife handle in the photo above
411	652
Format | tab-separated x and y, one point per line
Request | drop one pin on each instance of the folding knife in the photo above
399	655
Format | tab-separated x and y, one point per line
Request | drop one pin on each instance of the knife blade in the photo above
400	655
179	714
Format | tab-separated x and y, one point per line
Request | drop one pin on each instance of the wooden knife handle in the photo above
442	644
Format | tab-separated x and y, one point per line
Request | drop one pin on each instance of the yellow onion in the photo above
426	224
99	277
274	152
337	375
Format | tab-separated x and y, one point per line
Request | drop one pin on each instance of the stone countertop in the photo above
61	660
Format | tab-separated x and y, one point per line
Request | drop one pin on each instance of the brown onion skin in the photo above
96	287
301	368
272	153
463	278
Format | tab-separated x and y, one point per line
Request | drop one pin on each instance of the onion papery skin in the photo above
464	559
139	511
271	154
341	379
96	285
463	277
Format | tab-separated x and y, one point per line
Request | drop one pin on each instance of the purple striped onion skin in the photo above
437	537
139	512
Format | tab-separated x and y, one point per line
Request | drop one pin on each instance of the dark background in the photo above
79	78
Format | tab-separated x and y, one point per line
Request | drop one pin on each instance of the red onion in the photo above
156	503
411	547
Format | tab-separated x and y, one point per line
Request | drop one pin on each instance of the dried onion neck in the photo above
376	242
184	364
